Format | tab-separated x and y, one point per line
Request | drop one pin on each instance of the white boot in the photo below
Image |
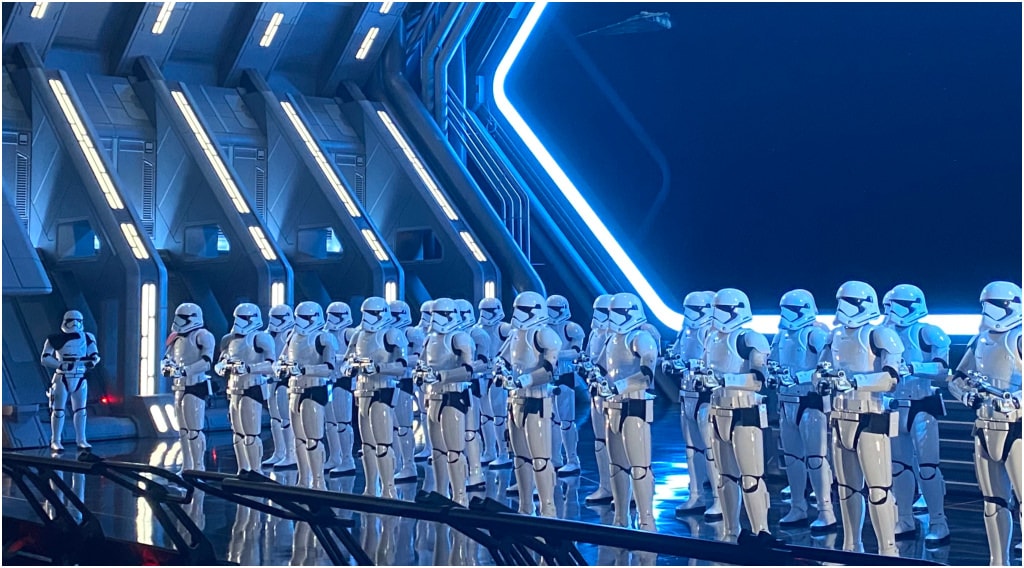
79	420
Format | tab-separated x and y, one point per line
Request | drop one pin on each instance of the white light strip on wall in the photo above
261	241
147	345
954	324
421	171
158	417
277	293
364	48
385	7
163	17
490	290
473	248
268	35
134	241
85	143
390	291
39	10
211	152
332	178
378	250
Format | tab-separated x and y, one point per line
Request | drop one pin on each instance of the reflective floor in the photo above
249	537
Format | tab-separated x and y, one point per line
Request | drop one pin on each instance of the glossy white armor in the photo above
477	394
628	359
281	321
530	356
802	419
737	357
246	359
401	320
69	354
494	411
420	392
861	422
563	422
915	452
339	429
988	379
595	344
308	357
188	358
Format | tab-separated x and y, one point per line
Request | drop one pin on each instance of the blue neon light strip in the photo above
961	324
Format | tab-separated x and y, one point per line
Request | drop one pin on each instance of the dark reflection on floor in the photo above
250	537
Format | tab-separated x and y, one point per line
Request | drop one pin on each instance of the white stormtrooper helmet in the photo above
697	310
444	316
1000	306
72	322
309	317
465	310
732	310
906	305
339	316
376	314
626	313
886	305
797	309
187	317
602	307
491	312
529	311
400	316
247	319
558	309
425	309
857	304
281	318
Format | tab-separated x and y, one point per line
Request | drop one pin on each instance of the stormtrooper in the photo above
308	357
563	421
340	435
70	354
282	320
189	356
988	380
803	422
524	367
246	358
424	326
376	359
401	319
626	368
493	412
860	363
916	449
736	359
477	392
446	369
684	357
586	368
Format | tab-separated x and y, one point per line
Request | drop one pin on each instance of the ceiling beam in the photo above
39	31
268	30
154	32
352	35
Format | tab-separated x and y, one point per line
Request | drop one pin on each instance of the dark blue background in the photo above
801	145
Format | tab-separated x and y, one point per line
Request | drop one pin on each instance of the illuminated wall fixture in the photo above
332	178
158	417
39	10
473	248
172	416
85	143
364	48
418	166
163	17
147	345
211	152
490	290
378	250
951	324
277	293
385	7
134	241
268	36
390	291
156	459
261	241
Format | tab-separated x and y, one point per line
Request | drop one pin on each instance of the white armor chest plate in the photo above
795	353
595	343
240	348
493	341
851	352
438	353
995	355
913	387
301	350
370	345
618	357
74	348
691	342
279	338
185	350
721	353
523	355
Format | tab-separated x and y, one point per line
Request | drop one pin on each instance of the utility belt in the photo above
385	395
259	393
753	416
202	389
457	400
642	408
527	405
300	384
242	382
884	423
320	394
